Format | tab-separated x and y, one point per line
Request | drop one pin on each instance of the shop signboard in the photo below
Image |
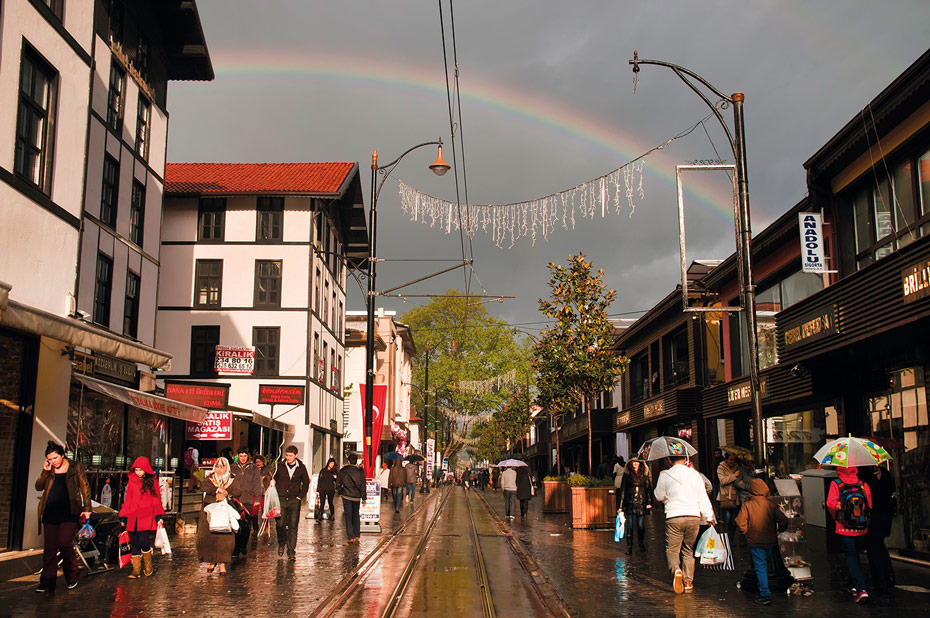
811	242
915	280
621	419
82	363
217	426
369	511
811	327
741	393
430	456
114	368
656	408
204	394
235	360
274	394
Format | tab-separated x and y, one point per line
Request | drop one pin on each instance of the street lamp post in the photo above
737	141
439	167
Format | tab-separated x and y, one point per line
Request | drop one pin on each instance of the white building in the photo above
255	255
81	83
394	352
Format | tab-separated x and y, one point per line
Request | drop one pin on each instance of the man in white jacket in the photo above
686	505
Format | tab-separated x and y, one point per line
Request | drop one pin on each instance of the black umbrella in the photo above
414	458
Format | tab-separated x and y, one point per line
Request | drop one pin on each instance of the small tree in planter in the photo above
573	358
593	504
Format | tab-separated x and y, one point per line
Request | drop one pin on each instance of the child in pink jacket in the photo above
849	502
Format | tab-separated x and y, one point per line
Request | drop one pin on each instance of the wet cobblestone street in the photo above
593	575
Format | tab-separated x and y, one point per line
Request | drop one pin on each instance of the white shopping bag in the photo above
161	540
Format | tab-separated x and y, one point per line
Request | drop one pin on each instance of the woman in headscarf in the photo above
141	514
216	548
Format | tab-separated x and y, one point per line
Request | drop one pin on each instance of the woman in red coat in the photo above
141	514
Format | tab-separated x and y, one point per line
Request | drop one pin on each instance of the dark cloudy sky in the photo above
547	104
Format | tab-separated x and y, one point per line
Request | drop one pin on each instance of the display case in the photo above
791	542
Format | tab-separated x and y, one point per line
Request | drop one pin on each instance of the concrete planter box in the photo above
593	507
557	497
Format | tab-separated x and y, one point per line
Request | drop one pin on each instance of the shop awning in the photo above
260	419
78	333
146	401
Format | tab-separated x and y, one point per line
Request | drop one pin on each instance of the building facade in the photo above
255	258
77	305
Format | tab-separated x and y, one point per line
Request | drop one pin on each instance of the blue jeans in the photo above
760	560
398	493
851	549
637	521
411	491
728	516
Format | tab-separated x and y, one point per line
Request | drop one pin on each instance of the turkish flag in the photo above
378	402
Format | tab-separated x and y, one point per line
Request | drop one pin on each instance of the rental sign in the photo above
217	426
811	242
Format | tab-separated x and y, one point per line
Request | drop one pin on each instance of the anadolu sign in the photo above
811	242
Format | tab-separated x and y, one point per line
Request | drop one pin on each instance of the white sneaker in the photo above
678	585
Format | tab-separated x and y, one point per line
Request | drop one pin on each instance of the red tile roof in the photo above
254	178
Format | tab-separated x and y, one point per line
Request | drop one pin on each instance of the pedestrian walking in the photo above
884	508
384	480
635	496
350	483
412	471
849	502
192	463
686	504
485	479
718	458
326	489
249	478
617	473
141	515
64	503
397	481
495	479
728	474
466	479
509	487
292	481
759	520
524	490
264	475
215	548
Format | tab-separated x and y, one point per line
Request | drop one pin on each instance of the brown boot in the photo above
136	567
147	561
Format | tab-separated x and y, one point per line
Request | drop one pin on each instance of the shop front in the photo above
674	413
865	341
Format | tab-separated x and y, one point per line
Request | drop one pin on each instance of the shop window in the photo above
266	341
35	121
639	377
208	284
267	283
798	286
103	285
676	358
95	429
143	126
204	340
793	439
116	96
109	194
211	219
713	334
768	303
137	213
901	414
131	305
270	223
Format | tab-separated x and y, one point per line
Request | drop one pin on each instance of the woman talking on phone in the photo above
64	503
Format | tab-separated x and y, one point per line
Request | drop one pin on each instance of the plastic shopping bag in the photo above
272	504
86	532
221	517
125	551
619	527
161	540
713	548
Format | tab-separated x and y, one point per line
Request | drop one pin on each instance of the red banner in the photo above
217	426
379	402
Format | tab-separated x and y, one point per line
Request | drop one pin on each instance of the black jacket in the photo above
326	481
884	503
524	484
350	483
295	488
635	491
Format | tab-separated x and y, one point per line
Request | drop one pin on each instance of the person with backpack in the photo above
759	520
849	502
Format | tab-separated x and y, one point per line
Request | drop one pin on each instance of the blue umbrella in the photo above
392	456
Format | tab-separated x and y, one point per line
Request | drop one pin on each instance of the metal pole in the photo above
368	430
426	480
747	289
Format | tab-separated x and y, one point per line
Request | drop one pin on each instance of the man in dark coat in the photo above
292	482
350	483
250	482
397	481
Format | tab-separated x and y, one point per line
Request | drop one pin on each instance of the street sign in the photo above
235	360
217	426
445	464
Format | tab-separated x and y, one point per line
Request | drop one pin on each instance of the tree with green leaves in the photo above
472	360
574	358
505	428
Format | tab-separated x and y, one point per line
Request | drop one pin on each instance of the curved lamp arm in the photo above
385	170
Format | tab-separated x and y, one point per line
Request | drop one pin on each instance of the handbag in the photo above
125	551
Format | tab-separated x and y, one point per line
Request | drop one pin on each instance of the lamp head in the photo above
439	166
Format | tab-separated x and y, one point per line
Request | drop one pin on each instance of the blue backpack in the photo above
854	512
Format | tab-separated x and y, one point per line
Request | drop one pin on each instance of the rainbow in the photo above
531	107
